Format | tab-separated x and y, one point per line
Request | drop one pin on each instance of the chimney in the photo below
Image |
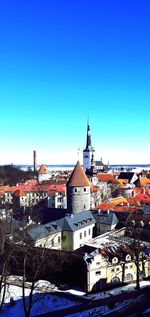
143	190
34	161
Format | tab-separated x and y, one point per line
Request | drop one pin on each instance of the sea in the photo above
64	167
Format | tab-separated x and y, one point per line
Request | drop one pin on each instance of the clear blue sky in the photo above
64	60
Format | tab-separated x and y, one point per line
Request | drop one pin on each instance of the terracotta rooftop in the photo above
144	181
78	177
19	193
105	177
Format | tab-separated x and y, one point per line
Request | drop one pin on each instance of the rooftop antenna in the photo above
78	152
88	120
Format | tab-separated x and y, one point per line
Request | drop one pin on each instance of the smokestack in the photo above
34	161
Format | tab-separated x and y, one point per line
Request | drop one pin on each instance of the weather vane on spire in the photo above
78	153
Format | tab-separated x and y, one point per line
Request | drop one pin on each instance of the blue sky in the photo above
62	61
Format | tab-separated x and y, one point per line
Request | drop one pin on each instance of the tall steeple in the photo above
87	152
88	139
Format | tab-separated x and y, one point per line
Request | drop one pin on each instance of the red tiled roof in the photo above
78	177
31	182
104	177
19	193
109	206
144	181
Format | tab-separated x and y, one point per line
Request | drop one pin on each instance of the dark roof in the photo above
78	177
37	232
77	221
126	175
99	163
108	218
85	249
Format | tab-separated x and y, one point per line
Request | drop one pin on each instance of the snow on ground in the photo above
46	302
50	302
117	290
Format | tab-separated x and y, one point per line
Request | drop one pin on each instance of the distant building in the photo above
42	173
57	199
104	222
99	166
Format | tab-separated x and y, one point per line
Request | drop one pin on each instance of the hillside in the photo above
11	175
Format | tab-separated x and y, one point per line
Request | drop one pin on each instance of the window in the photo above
129	277
97	263
89	231
64	238
52	242
84	233
98	273
117	269
80	235
84	206
58	239
131	266
126	267
84	189
112	270
75	190
115	280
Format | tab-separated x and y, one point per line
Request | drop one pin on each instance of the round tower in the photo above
78	191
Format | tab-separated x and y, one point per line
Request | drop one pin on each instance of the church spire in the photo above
87	152
88	139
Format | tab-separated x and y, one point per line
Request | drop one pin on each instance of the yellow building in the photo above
111	259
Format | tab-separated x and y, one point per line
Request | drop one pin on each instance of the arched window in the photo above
115	280
129	277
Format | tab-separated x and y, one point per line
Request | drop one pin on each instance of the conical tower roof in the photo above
42	169
78	177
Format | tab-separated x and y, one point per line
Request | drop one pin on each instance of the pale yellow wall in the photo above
109	270
73	240
78	242
67	243
47	242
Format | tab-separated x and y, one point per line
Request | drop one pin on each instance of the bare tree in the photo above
6	255
134	229
33	262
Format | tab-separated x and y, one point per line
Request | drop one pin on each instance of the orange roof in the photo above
78	177
42	169
118	201
122	181
104	177
144	181
19	193
109	206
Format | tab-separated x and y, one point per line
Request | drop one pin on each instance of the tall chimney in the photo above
34	161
